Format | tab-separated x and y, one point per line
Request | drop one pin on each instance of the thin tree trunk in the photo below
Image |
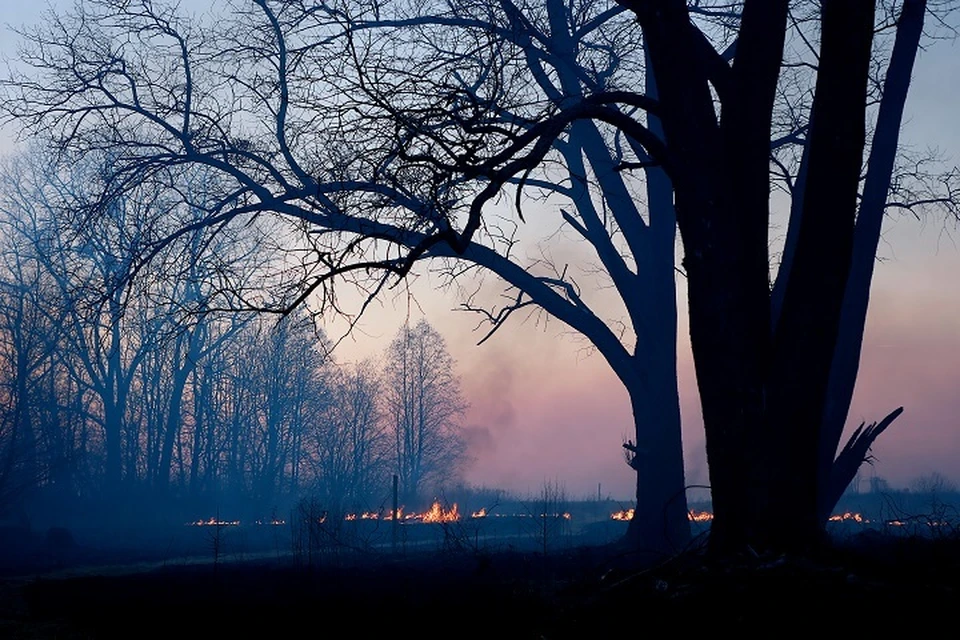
660	522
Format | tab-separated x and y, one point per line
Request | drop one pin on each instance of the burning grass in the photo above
625	515
436	514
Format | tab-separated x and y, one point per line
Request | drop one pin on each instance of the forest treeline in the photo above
148	395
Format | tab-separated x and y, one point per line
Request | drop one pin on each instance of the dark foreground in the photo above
865	585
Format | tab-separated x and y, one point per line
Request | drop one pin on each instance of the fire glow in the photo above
705	516
848	516
435	514
438	514
693	515
214	522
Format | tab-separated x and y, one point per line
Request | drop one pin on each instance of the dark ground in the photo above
868	583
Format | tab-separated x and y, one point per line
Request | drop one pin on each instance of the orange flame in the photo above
389	514
848	516
438	514
627	514
213	522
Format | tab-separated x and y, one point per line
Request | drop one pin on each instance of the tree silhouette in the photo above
371	150
424	406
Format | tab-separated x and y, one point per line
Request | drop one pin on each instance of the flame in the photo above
848	516
368	515
699	516
627	514
389	514
214	522
438	514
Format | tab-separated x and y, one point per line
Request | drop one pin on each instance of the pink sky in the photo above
544	409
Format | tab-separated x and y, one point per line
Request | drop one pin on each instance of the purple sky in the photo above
543	409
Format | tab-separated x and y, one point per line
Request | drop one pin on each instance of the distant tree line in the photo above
155	390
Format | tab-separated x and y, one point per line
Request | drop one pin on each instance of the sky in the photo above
545	409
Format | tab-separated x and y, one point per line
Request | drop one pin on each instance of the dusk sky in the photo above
544	409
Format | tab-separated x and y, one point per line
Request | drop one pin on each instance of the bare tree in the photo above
85	268
28	338
352	441
424	406
292	394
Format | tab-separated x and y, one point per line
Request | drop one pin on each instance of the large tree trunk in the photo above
762	394
726	270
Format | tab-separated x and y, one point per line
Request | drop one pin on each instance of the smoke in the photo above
479	439
492	415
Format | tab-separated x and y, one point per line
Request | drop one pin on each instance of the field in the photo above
507	577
